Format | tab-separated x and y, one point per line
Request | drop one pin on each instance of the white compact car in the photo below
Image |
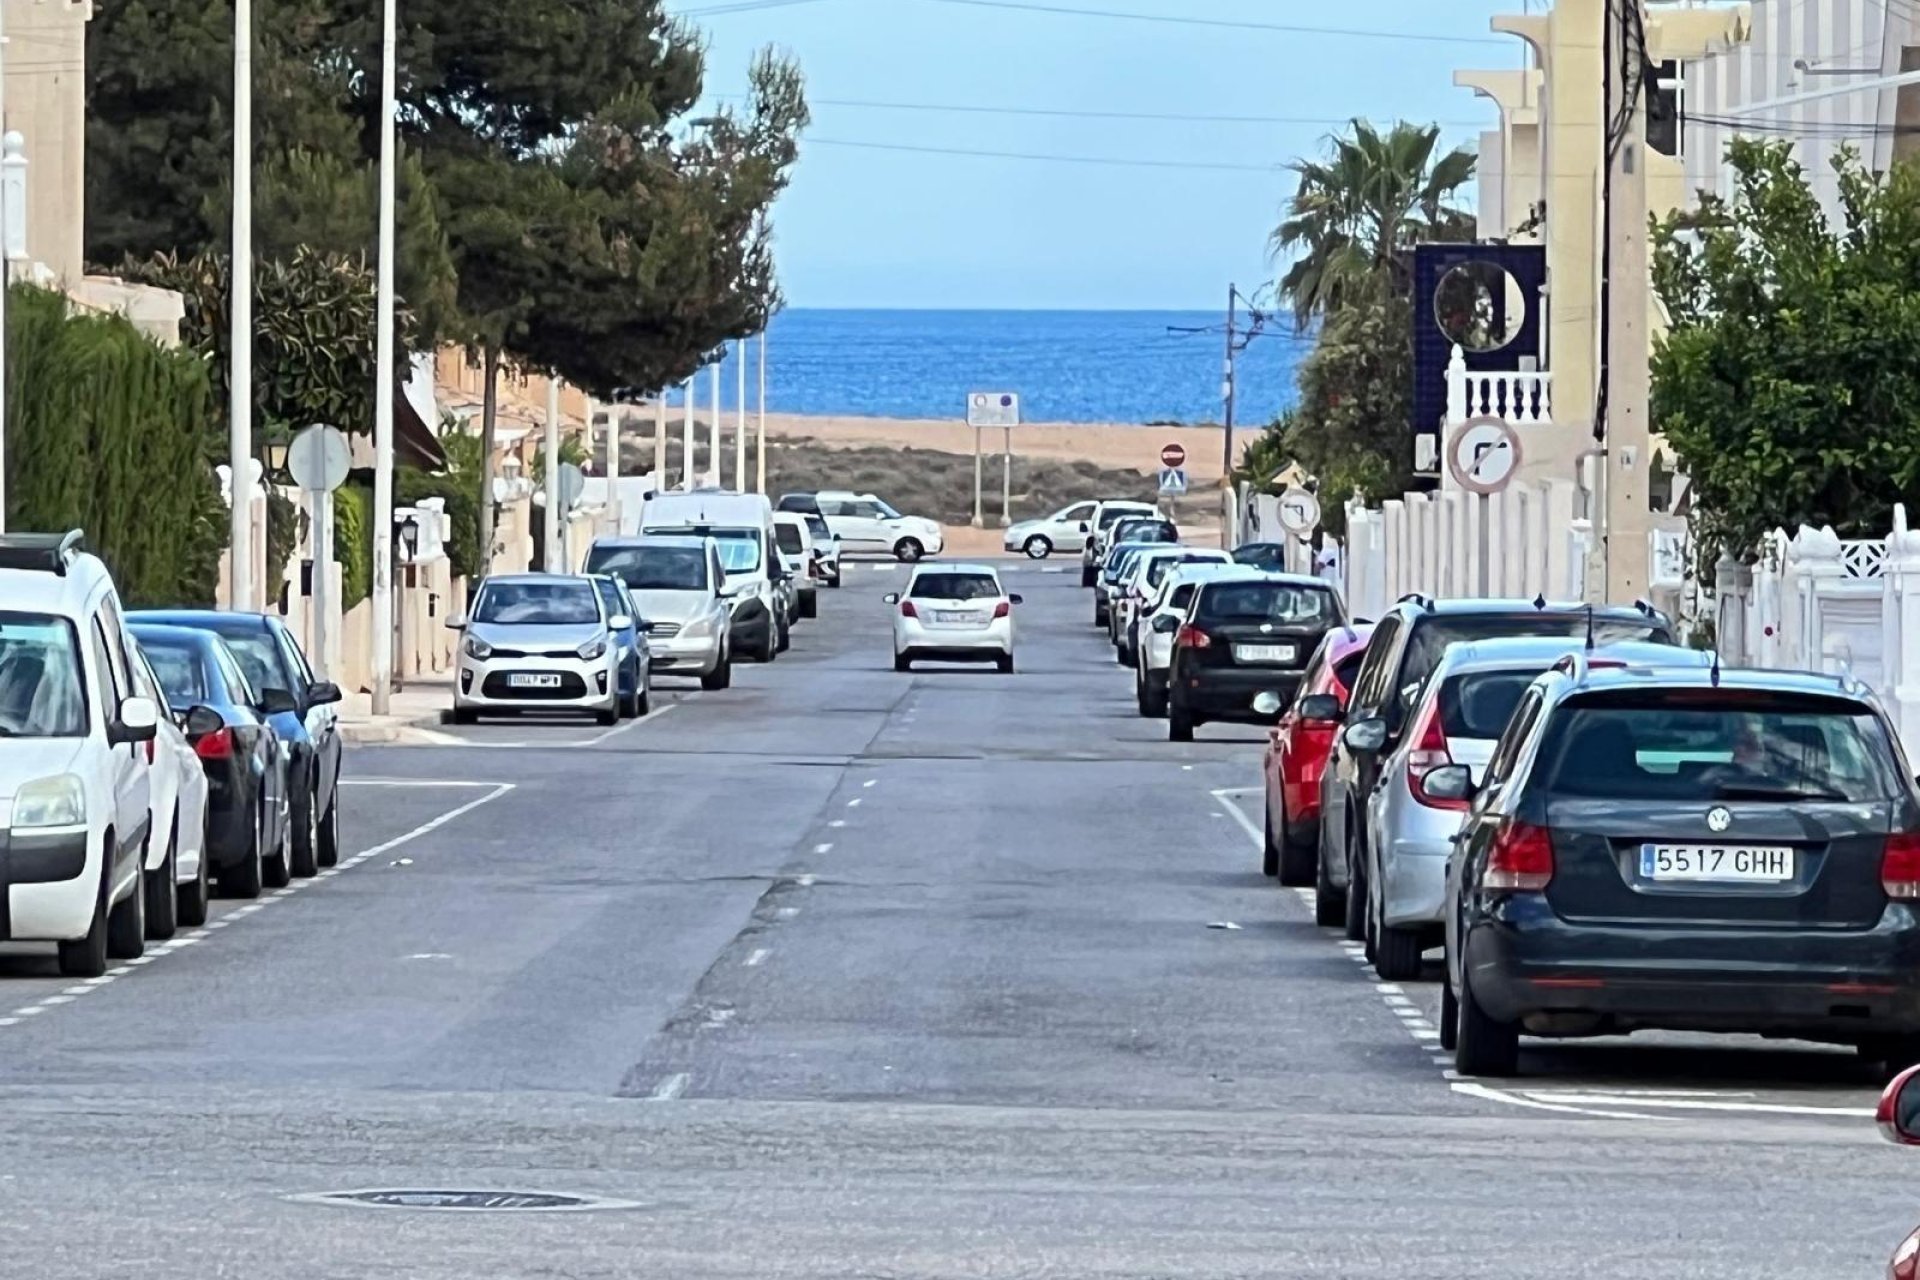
538	642
795	541
953	613
1066	529
176	862
826	549
76	741
868	526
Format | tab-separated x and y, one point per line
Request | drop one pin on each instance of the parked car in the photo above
1119	558
1242	637
629	633
1297	751
537	642
795	541
1271	556
953	613
1135	528
1685	849
1899	1118
1406	646
1105	516
742	524
826	549
868	526
227	724
678	585
75	738
1038	539
1139	586
1461	713
1159	623
177	803
304	714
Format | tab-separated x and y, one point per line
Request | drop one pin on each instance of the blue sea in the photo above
1067	366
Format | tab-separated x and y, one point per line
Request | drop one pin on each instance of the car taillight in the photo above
217	745
1429	752
1906	1260
1900	866
1521	859
1192	637
907	610
1003	610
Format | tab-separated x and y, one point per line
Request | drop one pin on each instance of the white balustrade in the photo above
1515	396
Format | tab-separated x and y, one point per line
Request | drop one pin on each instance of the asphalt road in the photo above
847	973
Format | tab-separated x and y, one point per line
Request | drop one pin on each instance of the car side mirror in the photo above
892	597
322	692
201	721
457	623
1321	708
1166	624
1448	782
1366	736
277	701
1899	1110
137	721
1016	599
619	622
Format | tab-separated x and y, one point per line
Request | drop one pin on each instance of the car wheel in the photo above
190	899
1005	663
810	605
1329	901
721	676
1890	1055
643	695
1396	952
786	636
1179	723
1038	547
610	715
1086	574
1355	921
305	862
1099	610
275	869
246	879
901	662
162	909
1298	858
769	647
1157	697
87	957
1449	1015
1269	851
465	715
1483	1045
329	829
1141	698
127	925
908	550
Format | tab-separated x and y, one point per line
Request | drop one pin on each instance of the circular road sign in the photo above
1299	512
572	482
319	458
1172	455
1484	455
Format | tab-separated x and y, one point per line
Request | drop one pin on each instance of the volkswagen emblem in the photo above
1718	819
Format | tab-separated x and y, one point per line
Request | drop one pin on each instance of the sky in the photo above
874	226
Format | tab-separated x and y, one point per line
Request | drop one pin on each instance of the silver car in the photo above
538	642
678	584
1461	714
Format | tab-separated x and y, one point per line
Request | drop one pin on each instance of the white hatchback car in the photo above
1065	529
953	613
177	871
76	741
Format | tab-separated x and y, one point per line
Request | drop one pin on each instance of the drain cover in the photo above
466	1201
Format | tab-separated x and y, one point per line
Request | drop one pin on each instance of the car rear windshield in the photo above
1348	667
798	502
955	586
1719	744
177	666
1261	555
537	604
788	538
1161	566
259	657
652	568
1109	515
41	693
1293	604
1478	704
1148	531
1432	635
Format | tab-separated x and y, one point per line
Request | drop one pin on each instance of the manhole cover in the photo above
466	1201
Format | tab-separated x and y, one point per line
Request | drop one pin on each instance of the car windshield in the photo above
1478	704
1432	635
788	538
817	526
1292	604
1718	744
652	568
609	597
41	691
177	666
568	602
955	586
259	656
739	550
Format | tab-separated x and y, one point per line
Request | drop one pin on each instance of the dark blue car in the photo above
302	714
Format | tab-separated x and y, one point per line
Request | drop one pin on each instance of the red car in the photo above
1297	751
1899	1117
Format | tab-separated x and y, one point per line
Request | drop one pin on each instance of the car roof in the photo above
1458	606
1254	573
204	617
654	540
193	637
1129	502
1708	676
1501	652
523	579
952	566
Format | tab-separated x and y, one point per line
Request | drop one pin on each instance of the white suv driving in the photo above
868	526
76	739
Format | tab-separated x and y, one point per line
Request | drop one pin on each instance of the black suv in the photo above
1406	646
1244	634
1685	849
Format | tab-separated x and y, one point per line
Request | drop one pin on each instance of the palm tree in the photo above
1355	216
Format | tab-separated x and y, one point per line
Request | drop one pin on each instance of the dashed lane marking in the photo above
758	958
670	1088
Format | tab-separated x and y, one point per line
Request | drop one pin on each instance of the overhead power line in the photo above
1123	161
1231	24
742	6
1072	113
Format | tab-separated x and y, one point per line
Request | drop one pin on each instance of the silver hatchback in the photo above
538	642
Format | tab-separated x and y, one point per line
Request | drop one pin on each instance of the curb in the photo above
389	730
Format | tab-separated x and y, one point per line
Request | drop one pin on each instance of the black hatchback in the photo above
1244	634
1685	849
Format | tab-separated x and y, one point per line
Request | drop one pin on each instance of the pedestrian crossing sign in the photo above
1173	481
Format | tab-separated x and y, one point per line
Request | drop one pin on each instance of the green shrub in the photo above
353	542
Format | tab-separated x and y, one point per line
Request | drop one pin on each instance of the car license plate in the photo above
950	616
1761	864
1263	653
533	680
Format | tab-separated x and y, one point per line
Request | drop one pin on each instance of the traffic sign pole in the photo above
979	519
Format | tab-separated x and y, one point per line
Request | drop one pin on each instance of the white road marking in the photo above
870	782
854	803
1485	1093
1232	810
824	847
758	958
805	882
648	718
787	913
837	823
1604	1099
413	782
670	1088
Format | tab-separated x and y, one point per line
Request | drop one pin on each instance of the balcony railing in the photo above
1518	397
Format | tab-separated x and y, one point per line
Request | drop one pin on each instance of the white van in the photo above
796	540
742	525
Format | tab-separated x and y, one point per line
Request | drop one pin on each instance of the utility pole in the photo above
716	435
1006	480
1623	509
660	441
740	417
760	436
6	282
551	557
1226	399
240	321
382	619
686	435
613	459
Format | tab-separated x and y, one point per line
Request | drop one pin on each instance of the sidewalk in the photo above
414	709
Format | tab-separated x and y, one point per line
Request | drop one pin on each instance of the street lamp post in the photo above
13	248
383	371
240	320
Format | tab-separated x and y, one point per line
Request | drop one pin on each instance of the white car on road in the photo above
1066	529
868	526
953	613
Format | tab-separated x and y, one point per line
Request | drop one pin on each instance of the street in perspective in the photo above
1122	642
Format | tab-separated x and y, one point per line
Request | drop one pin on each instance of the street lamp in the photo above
277	460
409	530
